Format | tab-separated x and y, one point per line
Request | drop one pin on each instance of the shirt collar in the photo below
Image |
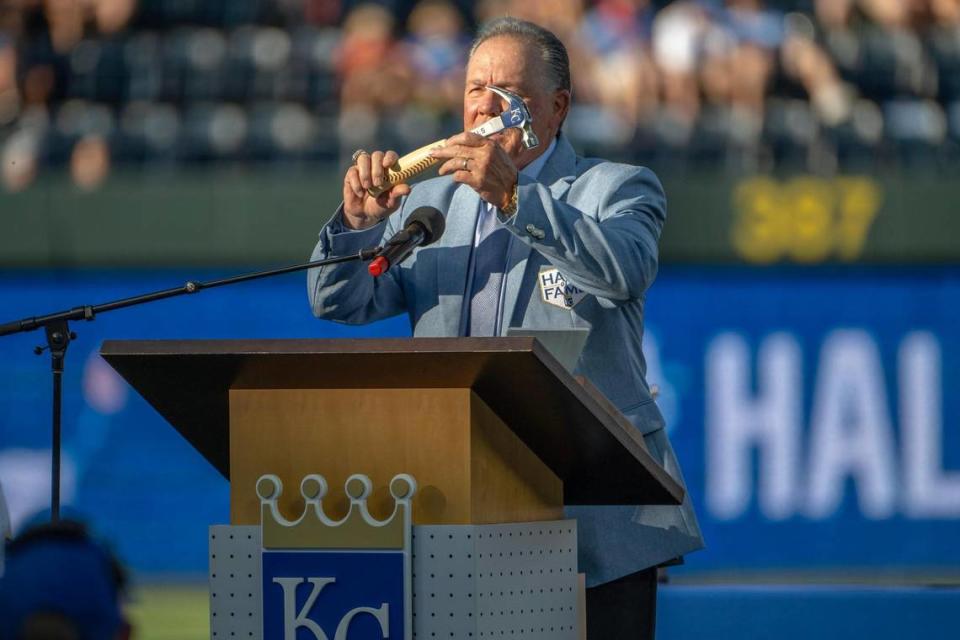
532	170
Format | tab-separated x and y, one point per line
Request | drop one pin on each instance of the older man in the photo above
516	218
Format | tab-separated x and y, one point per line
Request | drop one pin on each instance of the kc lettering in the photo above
294	619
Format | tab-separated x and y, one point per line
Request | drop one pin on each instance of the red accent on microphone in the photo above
378	266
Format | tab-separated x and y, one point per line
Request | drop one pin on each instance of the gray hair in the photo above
552	51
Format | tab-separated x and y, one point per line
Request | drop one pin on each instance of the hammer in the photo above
515	116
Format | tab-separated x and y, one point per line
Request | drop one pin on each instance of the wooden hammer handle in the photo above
409	166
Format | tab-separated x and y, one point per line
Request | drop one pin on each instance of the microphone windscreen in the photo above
431	220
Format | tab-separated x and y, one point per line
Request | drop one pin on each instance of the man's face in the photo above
507	62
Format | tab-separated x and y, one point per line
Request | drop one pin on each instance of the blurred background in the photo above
802	331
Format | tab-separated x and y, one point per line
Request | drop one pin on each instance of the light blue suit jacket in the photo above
597	222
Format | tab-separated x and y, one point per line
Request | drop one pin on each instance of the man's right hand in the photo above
360	209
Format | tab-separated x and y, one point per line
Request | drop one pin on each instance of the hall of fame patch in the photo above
555	290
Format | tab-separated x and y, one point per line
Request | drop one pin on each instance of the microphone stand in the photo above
57	328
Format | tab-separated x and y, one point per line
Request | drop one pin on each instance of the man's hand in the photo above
360	209
481	163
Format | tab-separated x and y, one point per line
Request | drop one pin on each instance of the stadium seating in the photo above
252	81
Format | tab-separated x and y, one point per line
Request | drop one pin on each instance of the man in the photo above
513	215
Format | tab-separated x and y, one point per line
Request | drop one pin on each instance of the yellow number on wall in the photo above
860	200
805	219
759	234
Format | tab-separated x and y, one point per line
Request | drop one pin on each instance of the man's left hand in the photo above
481	163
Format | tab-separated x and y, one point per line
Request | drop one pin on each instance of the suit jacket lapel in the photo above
452	274
558	172
560	169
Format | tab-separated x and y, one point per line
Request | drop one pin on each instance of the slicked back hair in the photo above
552	51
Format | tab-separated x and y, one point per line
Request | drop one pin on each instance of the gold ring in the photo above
357	154
465	164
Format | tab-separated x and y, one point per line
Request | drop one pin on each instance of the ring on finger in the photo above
465	164
357	154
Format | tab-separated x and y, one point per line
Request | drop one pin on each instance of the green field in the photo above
170	612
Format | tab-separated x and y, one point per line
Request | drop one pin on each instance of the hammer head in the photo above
517	116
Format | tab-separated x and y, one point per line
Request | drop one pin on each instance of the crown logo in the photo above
315	530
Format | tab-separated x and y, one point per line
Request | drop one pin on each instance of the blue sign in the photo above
811	411
811	414
323	595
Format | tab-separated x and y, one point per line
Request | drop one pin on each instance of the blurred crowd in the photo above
739	85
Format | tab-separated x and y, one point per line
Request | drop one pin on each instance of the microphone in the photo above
424	226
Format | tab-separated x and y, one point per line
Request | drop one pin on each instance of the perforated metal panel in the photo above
469	581
235	600
444	581
496	580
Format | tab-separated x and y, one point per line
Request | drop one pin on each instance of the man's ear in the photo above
561	106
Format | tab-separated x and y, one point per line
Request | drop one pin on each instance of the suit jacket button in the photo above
535	232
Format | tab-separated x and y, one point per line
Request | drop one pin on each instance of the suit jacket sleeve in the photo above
606	247
346	292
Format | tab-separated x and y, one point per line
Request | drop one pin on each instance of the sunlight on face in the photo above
516	66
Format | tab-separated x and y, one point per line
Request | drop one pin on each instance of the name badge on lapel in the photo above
555	290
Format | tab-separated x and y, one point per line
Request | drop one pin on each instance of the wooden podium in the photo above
493	429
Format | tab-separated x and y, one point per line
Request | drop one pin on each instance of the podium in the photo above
494	430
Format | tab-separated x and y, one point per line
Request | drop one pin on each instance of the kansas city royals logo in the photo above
330	580
555	289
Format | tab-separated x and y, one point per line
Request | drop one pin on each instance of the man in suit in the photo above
535	238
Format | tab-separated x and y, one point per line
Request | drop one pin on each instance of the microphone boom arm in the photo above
59	335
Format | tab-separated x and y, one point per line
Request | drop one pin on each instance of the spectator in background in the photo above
90	162
375	77
564	18
621	76
836	34
19	158
9	93
60	584
111	16
807	63
437	49
322	12
561	16
487	10
757	34
65	20
894	62
678	31
68	20
944	38
945	12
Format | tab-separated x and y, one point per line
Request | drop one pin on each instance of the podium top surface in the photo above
573	428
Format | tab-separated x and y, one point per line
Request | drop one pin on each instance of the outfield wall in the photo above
272	214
